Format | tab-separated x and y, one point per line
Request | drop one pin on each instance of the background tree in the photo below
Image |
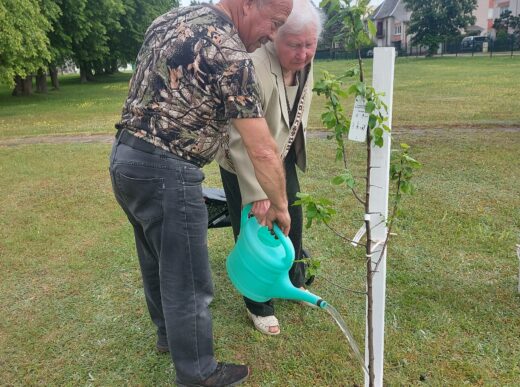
97	35
436	20
69	29
90	43
51	11
507	22
137	17
507	27
24	45
331	36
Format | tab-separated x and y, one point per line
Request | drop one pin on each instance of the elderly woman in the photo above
284	75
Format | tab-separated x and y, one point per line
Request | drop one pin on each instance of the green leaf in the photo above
352	89
378	141
371	27
339	154
324	3
372	120
328	119
361	88
406	187
337	180
345	178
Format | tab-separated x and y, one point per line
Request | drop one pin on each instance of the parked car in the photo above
473	43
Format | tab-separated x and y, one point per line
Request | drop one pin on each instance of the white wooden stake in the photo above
382	81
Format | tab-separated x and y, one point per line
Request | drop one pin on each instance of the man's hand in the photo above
279	216
266	214
269	170
260	210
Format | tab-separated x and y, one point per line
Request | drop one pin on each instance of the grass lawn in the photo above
72	302
435	93
74	310
448	92
74	109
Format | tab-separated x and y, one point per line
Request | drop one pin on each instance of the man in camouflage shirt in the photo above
193	77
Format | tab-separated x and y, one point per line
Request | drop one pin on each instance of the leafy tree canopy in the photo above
36	34
24	44
508	23
348	22
434	20
137	17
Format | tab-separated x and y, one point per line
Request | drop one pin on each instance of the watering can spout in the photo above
259	264
293	293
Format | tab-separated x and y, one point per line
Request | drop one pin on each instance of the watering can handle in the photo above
286	243
245	214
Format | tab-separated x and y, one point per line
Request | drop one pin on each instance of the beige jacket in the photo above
233	156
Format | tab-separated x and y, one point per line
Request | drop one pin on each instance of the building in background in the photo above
481	14
498	7
391	19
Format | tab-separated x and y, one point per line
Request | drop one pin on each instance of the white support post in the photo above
383	82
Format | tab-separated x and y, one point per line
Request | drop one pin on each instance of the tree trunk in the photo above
82	75
18	87
98	69
41	81
53	72
88	73
369	268
85	73
114	68
27	86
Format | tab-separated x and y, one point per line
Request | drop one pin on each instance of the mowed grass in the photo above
445	92
463	92
76	108
72	302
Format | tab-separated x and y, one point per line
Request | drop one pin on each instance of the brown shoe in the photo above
162	348
225	374
162	345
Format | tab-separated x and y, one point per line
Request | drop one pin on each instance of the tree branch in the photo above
342	236
357	197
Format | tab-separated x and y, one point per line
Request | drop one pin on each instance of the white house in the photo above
391	19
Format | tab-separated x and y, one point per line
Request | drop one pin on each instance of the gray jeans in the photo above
162	198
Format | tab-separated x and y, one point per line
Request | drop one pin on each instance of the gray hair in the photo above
303	14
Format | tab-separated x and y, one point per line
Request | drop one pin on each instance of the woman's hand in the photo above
260	208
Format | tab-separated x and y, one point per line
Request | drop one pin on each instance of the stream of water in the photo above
350	338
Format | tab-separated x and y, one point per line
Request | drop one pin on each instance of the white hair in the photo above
304	13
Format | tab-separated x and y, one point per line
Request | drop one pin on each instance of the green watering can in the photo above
259	264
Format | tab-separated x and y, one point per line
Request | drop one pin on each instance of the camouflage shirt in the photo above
192	76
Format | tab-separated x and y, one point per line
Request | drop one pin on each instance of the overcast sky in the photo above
187	2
